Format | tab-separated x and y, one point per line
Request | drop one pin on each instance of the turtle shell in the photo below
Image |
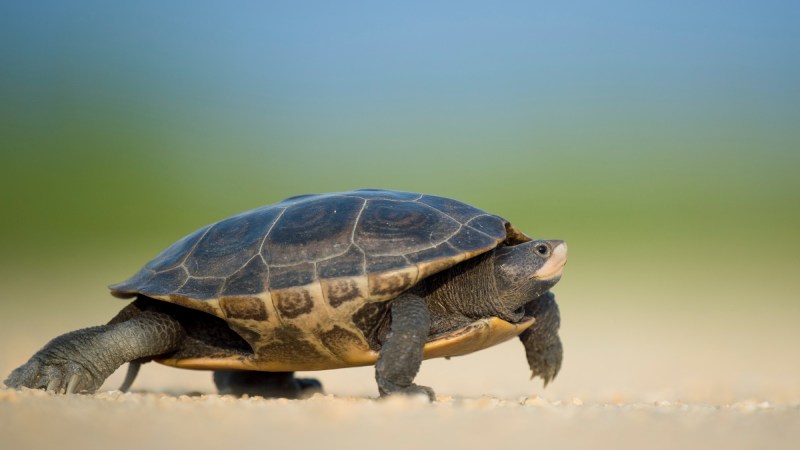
310	270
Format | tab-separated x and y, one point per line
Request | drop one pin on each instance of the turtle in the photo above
323	281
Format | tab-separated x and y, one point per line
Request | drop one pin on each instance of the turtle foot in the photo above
265	384
52	375
413	390
309	387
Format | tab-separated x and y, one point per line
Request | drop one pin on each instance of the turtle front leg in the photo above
401	353
542	343
81	361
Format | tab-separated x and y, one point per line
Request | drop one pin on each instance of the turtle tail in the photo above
133	370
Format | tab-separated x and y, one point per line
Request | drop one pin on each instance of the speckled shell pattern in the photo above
294	278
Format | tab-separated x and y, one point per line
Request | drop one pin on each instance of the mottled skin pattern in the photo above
318	282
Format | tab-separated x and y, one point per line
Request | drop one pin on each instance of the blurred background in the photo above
661	140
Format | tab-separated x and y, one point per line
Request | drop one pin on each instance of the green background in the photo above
661	141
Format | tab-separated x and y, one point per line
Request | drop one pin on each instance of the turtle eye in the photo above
543	250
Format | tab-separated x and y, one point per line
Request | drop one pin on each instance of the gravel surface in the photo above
36	420
633	380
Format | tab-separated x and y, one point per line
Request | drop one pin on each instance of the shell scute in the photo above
251	279
398	196
201	288
312	229
244	308
461	212
443	251
343	343
230	243
165	282
395	228
293	303
175	254
350	263
387	285
387	263
342	290
469	240
287	277
489	225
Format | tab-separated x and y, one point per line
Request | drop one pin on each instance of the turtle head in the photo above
525	271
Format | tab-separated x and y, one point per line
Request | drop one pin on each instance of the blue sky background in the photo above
635	130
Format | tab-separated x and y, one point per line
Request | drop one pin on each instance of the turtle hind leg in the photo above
265	384
81	361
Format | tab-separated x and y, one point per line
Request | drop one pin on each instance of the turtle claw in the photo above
414	390
72	384
546	377
546	367
53	386
53	376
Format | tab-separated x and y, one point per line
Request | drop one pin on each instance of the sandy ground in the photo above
631	379
112	420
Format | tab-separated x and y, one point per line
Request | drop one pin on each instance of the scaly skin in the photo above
81	361
542	344
401	353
